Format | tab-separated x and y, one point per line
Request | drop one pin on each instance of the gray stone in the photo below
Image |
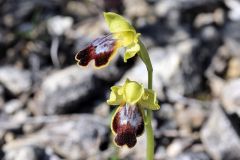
234	6
166	112
219	62
57	25
1	96
169	33
219	136
21	115
136	8
216	84
230	96
1	91
191	4
209	33
86	31
233	70
218	67
168	125
195	63
169	10
178	83
192	156
26	153
31	128
232	37
177	147
81	9
12	106
190	113
102	110
160	153
219	16
203	19
72	137
15	80
164	7
65	90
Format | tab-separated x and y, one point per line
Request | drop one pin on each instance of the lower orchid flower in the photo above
128	121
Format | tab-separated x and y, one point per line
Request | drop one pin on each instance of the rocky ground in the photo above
51	109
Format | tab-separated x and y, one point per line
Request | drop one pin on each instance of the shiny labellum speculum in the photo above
101	50
127	124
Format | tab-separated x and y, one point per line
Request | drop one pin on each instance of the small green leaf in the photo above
133	92
116	96
149	100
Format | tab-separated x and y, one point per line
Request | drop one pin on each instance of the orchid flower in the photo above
103	49
128	120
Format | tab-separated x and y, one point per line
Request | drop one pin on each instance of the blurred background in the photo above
52	109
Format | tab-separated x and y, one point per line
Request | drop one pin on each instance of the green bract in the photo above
133	93
124	32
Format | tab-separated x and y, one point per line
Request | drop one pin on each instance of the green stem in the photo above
148	125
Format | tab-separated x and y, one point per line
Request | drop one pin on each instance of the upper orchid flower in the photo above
124	32
128	122
103	49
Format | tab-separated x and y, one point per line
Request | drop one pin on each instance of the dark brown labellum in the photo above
101	50
127	124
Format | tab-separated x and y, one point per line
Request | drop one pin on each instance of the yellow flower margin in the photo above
131	93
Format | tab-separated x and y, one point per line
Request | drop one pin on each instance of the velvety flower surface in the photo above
127	122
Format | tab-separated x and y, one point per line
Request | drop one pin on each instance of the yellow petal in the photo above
116	96
149	100
131	51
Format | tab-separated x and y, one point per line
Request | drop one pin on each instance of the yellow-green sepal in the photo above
116	96
149	100
132	91
121	29
117	23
